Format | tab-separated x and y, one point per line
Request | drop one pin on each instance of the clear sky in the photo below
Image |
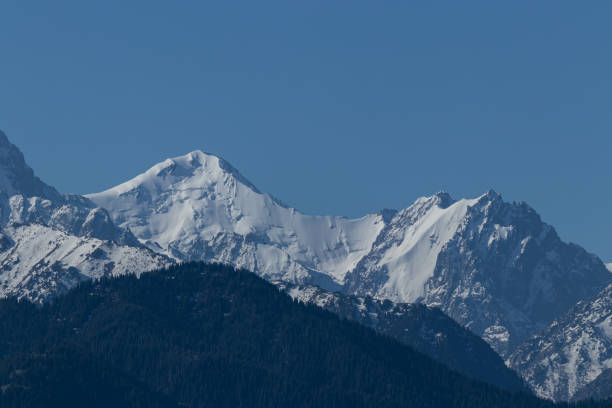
342	107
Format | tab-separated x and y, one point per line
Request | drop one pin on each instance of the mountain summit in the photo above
16	177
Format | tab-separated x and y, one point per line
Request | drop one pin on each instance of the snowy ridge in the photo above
192	207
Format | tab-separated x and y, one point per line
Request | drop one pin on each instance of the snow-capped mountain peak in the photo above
407	250
193	170
188	195
198	206
444	199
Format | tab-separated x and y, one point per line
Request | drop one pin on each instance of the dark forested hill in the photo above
201	335
61	376
599	388
423	328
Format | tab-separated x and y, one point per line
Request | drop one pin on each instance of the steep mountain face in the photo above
517	271
495	267
425	329
49	242
599	389
572	357
16	177
24	199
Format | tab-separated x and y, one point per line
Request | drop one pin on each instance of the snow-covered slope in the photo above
571	353
44	261
495	267
198	207
49	242
407	250
16	177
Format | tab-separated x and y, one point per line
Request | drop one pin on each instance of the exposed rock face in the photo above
502	272
571	358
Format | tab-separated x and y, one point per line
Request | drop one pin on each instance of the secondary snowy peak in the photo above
49	242
405	253
507	274
25	199
571	353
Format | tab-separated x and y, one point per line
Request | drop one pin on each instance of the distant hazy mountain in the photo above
572	357
425	329
49	242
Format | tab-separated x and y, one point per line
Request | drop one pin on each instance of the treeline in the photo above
199	335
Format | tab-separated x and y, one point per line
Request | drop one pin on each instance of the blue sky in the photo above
339	107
